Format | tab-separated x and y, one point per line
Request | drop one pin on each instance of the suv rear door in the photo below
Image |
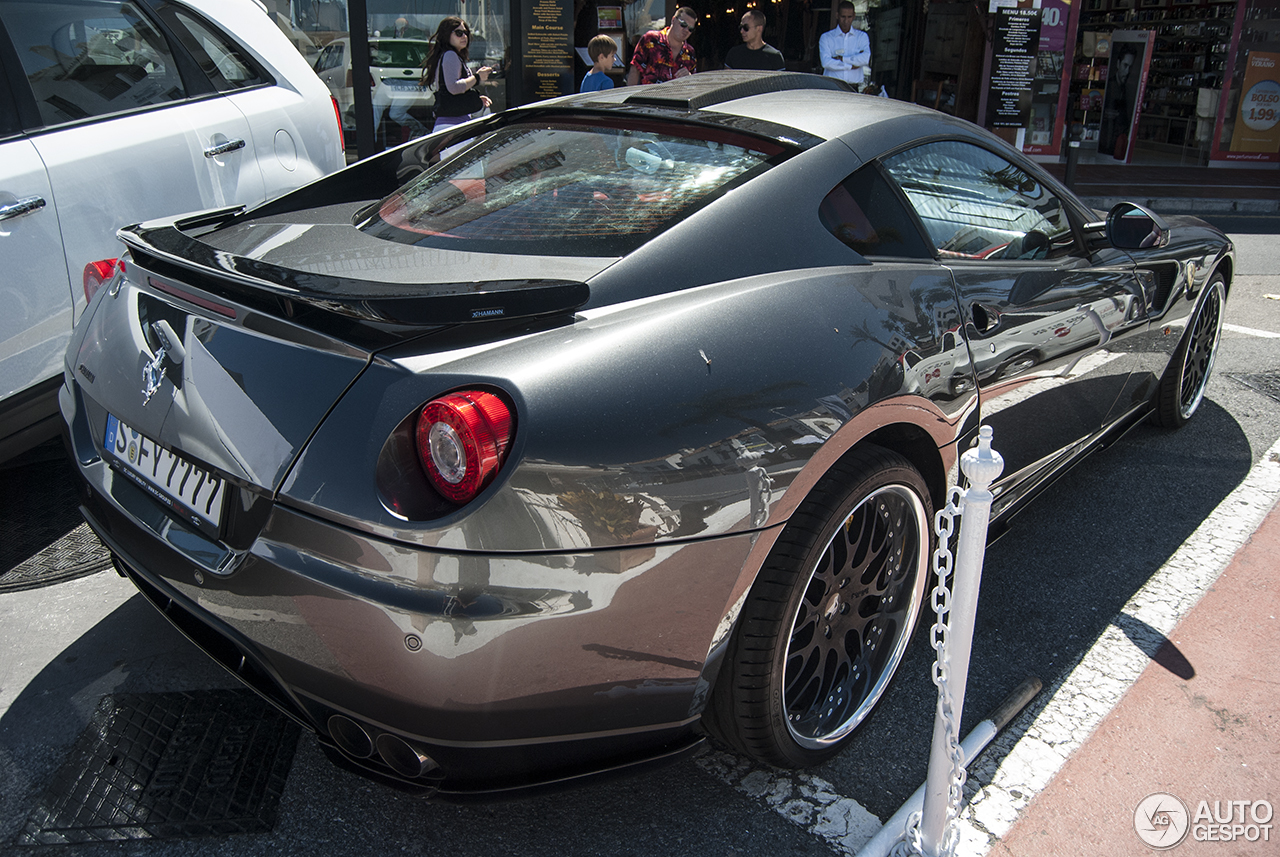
127	128
36	319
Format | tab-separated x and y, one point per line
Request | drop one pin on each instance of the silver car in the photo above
555	443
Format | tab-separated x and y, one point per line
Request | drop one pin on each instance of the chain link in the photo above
909	844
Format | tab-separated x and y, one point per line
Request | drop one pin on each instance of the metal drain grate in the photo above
168	765
1266	383
76	554
43	538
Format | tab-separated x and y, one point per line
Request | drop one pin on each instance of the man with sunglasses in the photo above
665	54
845	50
753	53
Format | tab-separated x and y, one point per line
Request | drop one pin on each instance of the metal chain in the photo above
944	523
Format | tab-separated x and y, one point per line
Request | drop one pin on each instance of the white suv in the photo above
118	111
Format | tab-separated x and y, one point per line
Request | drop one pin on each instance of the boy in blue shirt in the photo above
602	51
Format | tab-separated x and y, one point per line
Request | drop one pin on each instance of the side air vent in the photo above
717	87
1166	277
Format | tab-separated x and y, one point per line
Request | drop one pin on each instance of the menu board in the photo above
548	49
1013	67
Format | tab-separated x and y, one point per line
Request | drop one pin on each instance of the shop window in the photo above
976	205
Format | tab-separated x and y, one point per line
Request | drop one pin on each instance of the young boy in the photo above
602	51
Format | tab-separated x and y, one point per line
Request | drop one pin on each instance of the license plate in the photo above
192	491
400	84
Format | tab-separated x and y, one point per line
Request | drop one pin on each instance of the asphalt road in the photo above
1049	588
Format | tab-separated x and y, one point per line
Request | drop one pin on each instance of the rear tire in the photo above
827	622
1182	388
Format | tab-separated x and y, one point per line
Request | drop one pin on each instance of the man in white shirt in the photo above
845	52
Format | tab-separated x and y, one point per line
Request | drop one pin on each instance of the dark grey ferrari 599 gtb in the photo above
552	444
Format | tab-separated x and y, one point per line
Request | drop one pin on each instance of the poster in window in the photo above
1257	128
1122	97
609	17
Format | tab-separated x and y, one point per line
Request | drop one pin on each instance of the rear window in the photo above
398	54
569	188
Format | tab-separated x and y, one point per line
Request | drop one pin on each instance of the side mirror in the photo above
1132	227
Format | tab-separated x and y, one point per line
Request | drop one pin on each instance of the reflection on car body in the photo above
620	426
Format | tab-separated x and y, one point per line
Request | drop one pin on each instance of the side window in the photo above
223	61
864	212
976	205
85	59
9	121
330	57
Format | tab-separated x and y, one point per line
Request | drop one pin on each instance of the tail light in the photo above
337	113
462	441
97	273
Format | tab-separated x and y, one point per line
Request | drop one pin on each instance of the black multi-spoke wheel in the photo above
828	620
1182	388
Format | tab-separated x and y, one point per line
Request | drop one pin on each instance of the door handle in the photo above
21	207
985	319
223	148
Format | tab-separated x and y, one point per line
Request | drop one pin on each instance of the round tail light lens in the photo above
462	441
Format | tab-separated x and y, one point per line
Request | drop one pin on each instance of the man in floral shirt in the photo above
665	55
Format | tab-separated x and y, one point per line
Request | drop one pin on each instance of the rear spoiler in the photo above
166	247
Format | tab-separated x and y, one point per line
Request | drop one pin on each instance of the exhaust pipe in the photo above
404	759
350	737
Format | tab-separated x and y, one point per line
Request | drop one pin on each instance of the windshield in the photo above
566	188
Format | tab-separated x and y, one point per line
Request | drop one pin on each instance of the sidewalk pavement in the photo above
1201	724
1177	189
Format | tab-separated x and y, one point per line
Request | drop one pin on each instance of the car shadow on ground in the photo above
133	649
676	810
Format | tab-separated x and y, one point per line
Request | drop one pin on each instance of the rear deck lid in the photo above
170	367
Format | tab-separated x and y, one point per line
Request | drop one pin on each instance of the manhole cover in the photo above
158	765
1266	383
43	538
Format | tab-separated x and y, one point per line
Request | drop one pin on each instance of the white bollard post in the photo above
982	466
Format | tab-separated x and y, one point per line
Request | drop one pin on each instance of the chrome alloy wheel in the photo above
853	623
1202	349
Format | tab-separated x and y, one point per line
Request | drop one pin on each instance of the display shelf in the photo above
1189	54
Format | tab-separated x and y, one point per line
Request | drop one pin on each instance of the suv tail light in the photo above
337	113
97	273
463	439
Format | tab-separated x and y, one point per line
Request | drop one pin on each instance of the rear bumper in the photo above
506	671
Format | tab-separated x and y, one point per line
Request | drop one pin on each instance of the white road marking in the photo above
806	800
1251	331
1022	760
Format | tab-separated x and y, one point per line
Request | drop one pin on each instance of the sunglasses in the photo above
745	27
462	33
682	22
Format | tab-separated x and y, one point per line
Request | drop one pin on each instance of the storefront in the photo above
1187	82
1177	82
537	48
384	42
